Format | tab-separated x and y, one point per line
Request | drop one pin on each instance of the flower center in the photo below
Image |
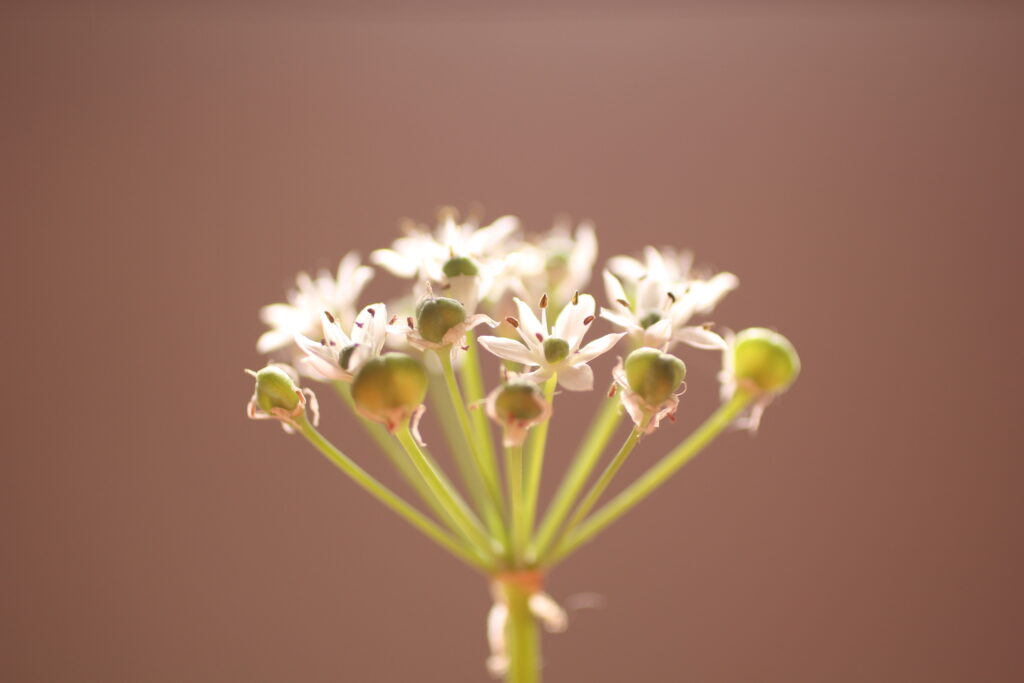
346	356
460	265
555	349
650	319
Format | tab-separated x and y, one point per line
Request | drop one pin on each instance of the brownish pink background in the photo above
168	170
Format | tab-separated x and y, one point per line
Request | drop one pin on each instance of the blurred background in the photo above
169	169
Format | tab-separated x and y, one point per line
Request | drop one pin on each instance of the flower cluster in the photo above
385	357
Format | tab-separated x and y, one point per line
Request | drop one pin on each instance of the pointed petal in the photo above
614	291
700	338
395	263
659	334
529	325
627	267
576	378
569	325
597	347
508	349
624	320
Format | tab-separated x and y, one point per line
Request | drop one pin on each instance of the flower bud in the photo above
764	360
276	389
390	388
519	400
436	315
654	375
460	265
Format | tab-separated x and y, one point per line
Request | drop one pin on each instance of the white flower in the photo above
664	300
301	315
558	351
339	356
423	254
558	261
643	414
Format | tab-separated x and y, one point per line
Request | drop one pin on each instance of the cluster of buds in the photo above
386	357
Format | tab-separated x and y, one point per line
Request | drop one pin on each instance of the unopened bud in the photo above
276	389
654	375
519	400
436	315
764	360
390	388
460	265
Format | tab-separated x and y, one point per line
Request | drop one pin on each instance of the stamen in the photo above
671	296
465	347
512	321
671	416
394	318
540	337
329	316
371	312
589	319
575	298
359	324
623	302
544	301
611	390
410	323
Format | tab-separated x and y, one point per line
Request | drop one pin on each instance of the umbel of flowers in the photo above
476	496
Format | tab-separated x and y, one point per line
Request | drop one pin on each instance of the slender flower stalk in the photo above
653	478
390	499
598	435
535	460
517	508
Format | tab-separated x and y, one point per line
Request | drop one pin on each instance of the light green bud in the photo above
654	375
555	349
460	265
764	359
275	389
391	385
435	316
519	400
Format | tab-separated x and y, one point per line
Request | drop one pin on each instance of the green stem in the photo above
388	497
654	477
453	503
535	459
588	503
492	503
460	449
598	435
514	480
522	638
472	378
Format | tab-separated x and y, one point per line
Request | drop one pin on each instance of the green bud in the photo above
765	359
390	386
650	319
435	316
555	349
275	389
654	375
460	265
519	400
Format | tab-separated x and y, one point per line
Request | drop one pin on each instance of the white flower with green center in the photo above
466	260
339	356
558	261
556	351
662	299
310	297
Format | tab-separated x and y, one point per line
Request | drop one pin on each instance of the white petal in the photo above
271	340
487	240
624	320
508	349
658	334
614	291
714	290
548	613
333	334
627	267
700	338
529	327
576	378
395	263
569	325
597	347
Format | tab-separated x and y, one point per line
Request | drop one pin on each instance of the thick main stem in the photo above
522	638
653	478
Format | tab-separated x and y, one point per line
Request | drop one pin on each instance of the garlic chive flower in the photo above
558	261
664	299
440	323
760	362
556	351
517	405
338	356
311	296
462	258
278	397
647	384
